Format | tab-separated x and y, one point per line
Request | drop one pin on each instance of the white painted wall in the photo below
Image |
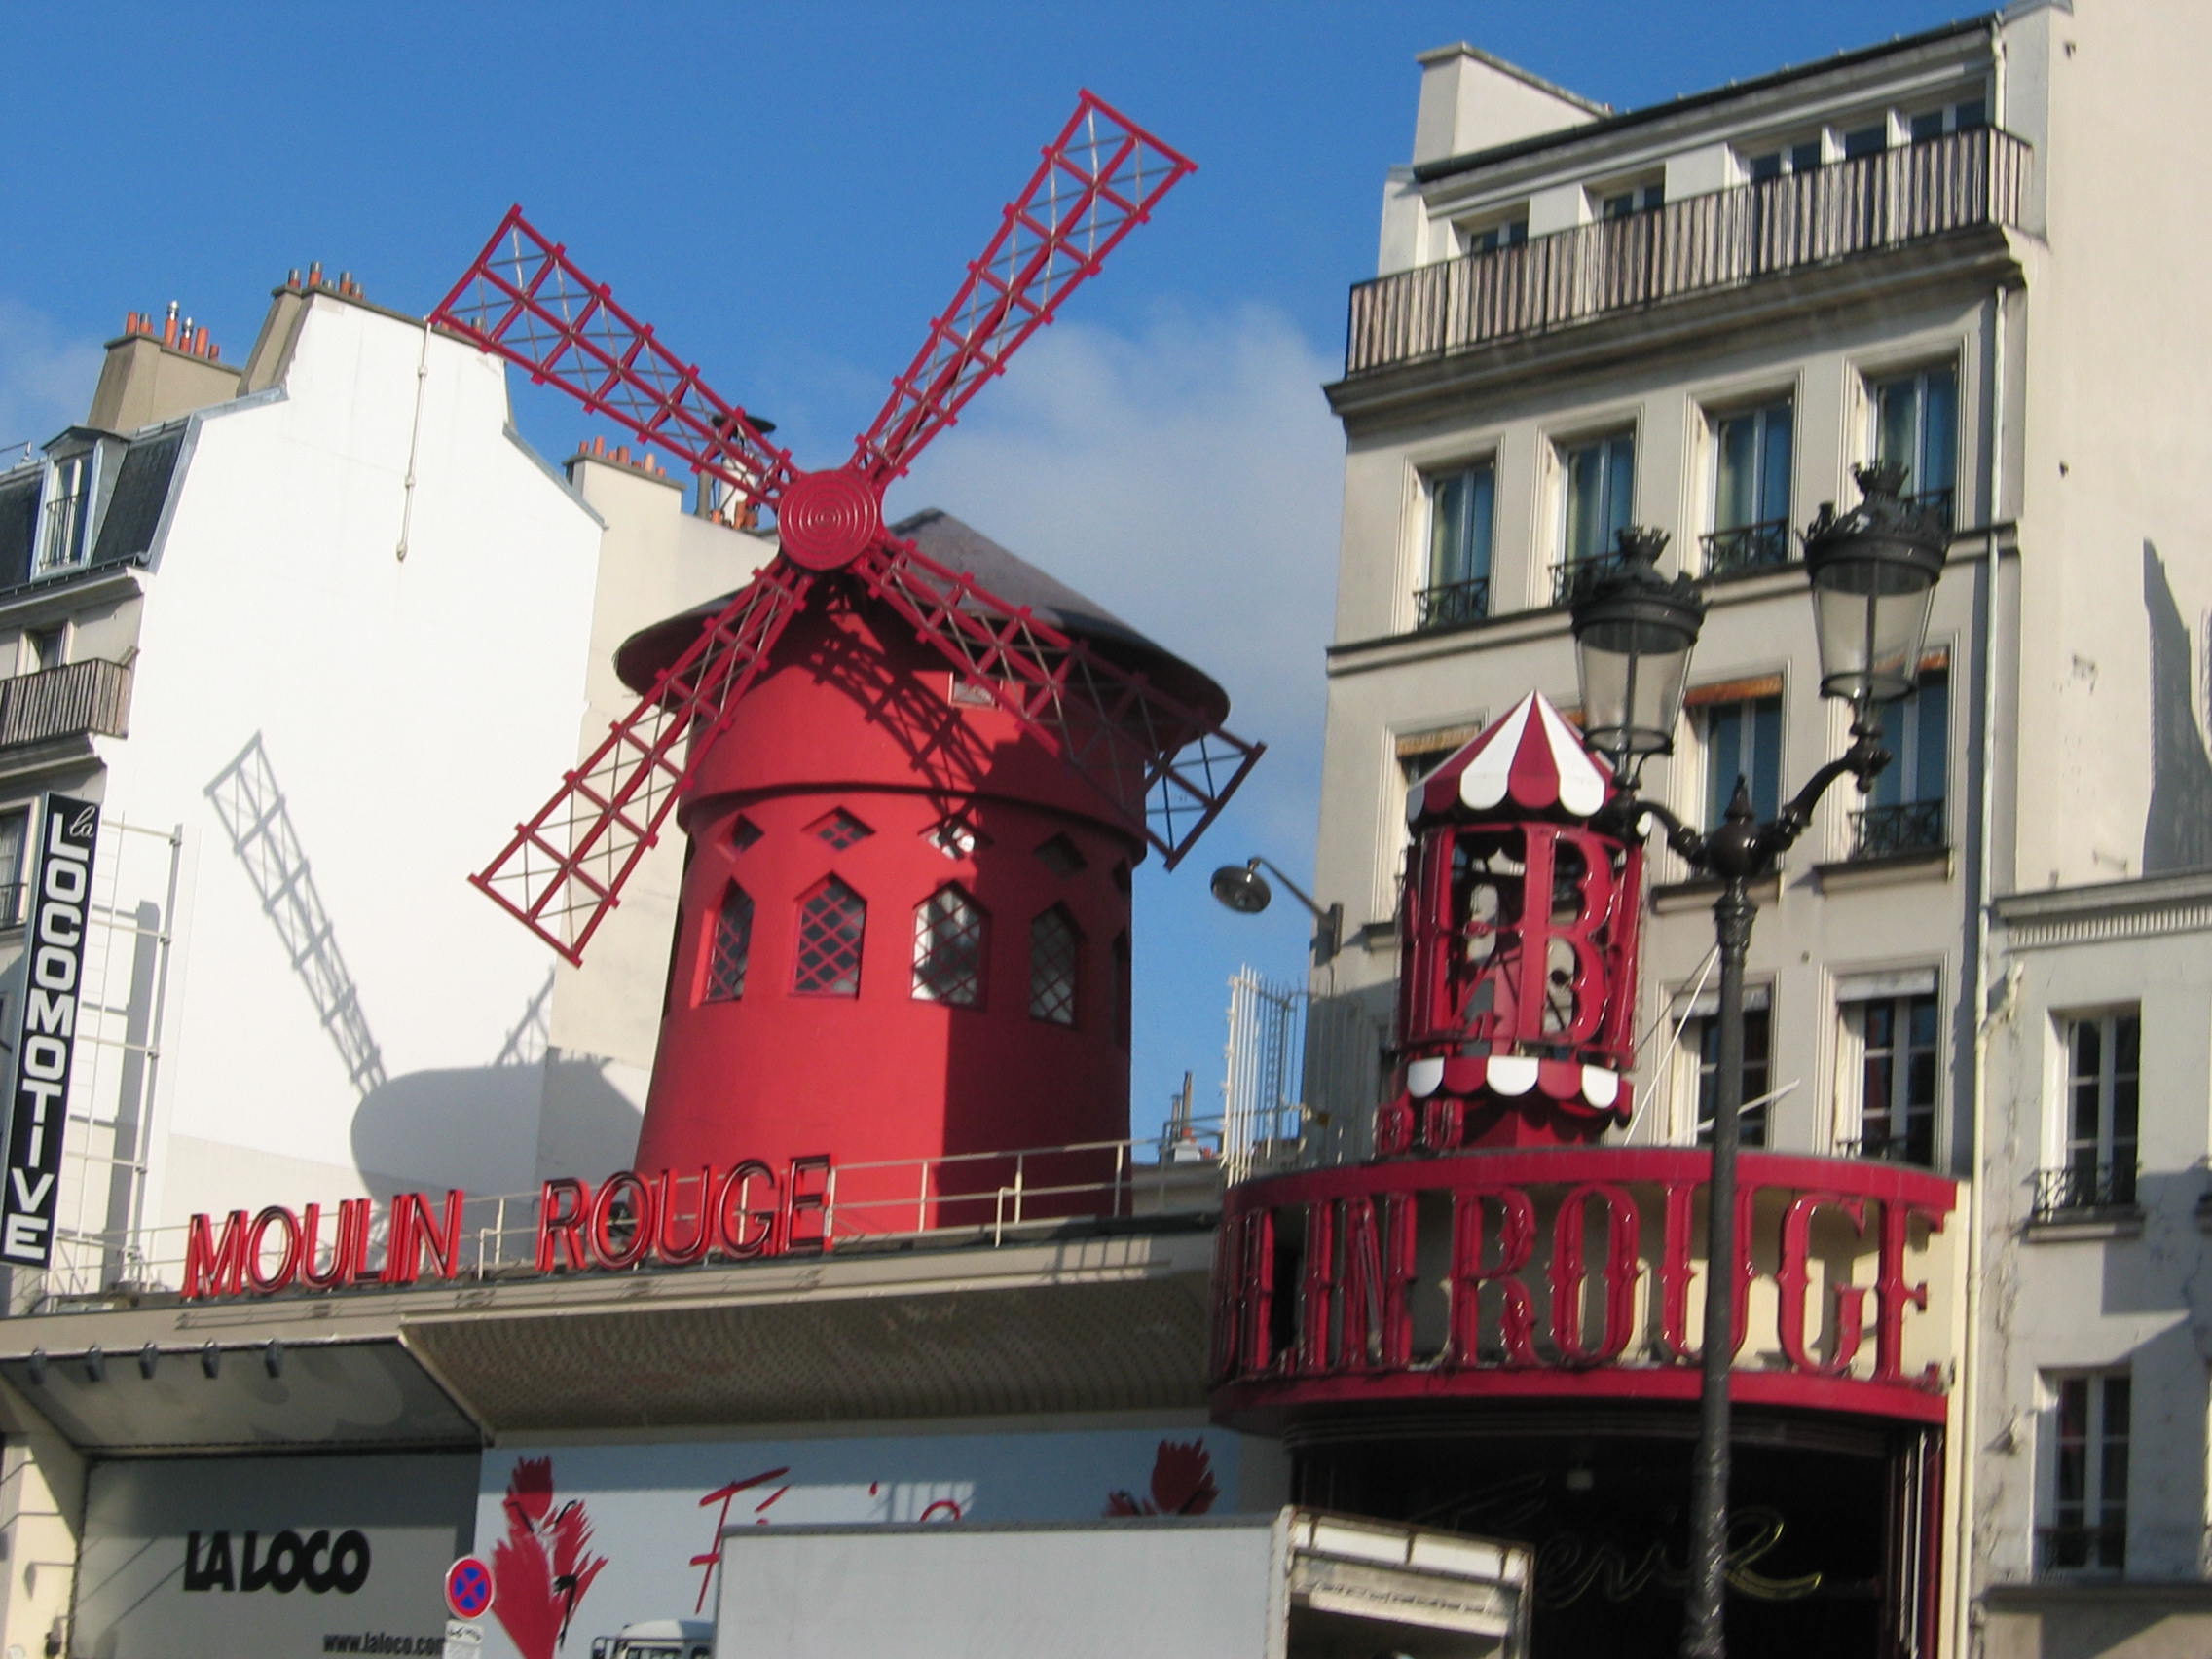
406	713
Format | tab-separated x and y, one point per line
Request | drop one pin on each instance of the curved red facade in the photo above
903	934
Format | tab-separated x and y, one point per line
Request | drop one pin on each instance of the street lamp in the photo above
1873	573
1244	890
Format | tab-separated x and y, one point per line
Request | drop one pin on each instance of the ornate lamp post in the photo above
1873	573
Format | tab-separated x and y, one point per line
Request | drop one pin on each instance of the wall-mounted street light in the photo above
1244	890
1874	572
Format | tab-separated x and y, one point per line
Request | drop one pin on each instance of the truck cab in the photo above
658	1639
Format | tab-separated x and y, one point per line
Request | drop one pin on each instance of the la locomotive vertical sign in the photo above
54	973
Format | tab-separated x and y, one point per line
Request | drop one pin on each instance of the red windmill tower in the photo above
914	771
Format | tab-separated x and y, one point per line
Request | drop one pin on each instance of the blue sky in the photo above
788	194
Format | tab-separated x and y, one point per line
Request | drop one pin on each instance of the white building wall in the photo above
373	724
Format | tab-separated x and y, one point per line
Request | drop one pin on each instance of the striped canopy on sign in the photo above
1531	762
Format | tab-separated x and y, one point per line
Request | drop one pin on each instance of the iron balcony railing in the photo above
1572	578
1449	604
1746	547
2075	1189
1889	831
70	701
1699	243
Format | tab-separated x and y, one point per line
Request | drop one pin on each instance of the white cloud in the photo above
1189	479
46	377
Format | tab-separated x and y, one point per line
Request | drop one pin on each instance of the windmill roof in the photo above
961	547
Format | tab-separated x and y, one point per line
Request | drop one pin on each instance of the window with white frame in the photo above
1891	1065
1627	199
1903	810
64	514
1797	156
1967	114
1916	426
1599	482
1489	233
1462	508
1750	490
2083	1527
1739	729
2101	1109
1701	1041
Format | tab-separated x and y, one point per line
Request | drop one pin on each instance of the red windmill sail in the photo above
1167	766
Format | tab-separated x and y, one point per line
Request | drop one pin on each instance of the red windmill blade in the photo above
1167	765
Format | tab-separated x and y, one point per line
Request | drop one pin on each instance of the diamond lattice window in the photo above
744	833
949	929
732	946
830	923
954	838
1060	856
839	829
1054	947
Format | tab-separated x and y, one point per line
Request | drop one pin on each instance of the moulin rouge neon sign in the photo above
628	1220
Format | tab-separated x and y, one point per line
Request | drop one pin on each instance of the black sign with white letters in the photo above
54	973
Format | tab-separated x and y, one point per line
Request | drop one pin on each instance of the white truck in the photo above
1297	1584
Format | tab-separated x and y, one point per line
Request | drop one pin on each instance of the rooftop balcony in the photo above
75	700
1700	243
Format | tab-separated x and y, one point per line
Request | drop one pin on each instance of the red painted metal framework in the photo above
1163	764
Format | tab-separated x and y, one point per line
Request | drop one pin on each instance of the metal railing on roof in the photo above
1865	205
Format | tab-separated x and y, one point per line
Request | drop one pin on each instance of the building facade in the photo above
1699	317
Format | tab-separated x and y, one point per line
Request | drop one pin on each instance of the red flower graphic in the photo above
544	1563
1182	1483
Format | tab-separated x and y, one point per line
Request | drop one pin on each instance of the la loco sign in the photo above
628	1220
1578	1273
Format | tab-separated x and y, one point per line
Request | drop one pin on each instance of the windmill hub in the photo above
826	520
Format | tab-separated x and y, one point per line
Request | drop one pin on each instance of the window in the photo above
833	919
744	833
731	947
1742	740
1600	498
950	933
1962	117
1461	507
64	514
1801	157
1894	1037
955	838
1503	233
1751	491
45	648
2085	1525
1055	947
1061	855
1903	812
1868	141
1121	994
14	831
839	829
2102	1103
1622	201
1916	426
1704	1037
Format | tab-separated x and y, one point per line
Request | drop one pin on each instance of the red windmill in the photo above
1138	733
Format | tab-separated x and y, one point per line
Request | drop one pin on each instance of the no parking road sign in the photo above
469	1587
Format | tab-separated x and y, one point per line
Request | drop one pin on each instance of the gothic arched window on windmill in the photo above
731	946
831	922
950	933
1055	948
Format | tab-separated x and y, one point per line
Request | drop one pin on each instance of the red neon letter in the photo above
211	1268
286	1267
669	1208
1794	1274
563	1230
1621	1271
730	1221
630	1251
797	1201
1516	1238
